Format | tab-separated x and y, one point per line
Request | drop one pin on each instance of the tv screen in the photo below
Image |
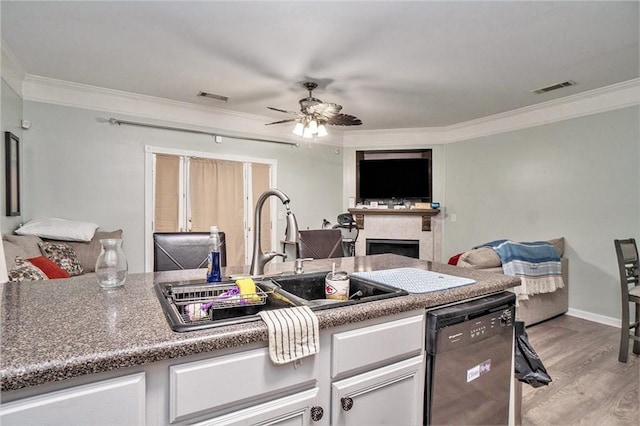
405	178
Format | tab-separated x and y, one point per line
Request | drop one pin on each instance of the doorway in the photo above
190	191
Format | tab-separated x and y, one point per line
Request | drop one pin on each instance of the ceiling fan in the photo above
314	115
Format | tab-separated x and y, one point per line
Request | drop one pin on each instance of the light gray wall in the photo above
11	120
579	179
77	166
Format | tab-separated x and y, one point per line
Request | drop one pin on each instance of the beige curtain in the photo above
260	183
167	193
216	193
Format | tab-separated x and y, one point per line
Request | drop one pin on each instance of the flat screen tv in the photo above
400	178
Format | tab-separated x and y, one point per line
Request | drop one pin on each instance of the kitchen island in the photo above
62	333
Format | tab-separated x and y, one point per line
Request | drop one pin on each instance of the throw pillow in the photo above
63	255
59	229
25	271
49	267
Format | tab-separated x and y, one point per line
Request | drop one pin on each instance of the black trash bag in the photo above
528	366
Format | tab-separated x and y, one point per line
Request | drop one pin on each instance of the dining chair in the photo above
347	225
184	250
320	243
627	252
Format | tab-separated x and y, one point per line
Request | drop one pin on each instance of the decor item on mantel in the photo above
111	266
314	115
426	214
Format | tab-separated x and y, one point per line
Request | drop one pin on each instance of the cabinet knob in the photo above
316	413
347	403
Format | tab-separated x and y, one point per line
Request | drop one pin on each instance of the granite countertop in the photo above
59	329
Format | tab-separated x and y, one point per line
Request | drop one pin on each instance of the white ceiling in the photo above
392	64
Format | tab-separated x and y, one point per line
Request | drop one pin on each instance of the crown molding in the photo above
12	72
65	93
42	89
608	98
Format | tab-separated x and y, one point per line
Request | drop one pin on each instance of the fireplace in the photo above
423	226
409	248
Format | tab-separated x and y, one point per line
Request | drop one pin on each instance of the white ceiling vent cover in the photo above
555	87
213	96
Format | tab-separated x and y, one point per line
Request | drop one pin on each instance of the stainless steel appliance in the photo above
469	353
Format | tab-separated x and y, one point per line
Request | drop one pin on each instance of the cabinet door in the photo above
293	410
118	401
391	395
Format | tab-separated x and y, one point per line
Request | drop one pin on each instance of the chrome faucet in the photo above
259	258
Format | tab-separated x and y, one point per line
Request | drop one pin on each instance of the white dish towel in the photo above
293	333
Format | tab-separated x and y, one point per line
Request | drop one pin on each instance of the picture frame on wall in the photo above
12	170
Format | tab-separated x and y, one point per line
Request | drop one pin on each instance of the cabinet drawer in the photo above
373	345
107	402
232	380
291	410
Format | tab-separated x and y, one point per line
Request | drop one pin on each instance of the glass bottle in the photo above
111	266
213	262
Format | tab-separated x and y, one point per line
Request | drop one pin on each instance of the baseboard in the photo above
613	322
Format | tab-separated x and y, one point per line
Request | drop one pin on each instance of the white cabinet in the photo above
220	382
376	364
391	395
293	410
378	374
368	347
108	402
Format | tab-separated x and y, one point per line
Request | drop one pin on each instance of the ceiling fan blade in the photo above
281	121
326	110
283	110
344	120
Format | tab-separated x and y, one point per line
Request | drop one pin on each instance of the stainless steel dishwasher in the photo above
469	352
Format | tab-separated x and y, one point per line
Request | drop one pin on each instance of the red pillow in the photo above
49	267
453	260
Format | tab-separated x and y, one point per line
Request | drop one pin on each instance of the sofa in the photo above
538	307
18	248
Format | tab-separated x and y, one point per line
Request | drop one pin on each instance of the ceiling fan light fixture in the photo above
322	130
307	133
299	129
313	126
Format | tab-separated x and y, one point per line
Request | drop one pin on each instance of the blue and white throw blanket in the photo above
536	263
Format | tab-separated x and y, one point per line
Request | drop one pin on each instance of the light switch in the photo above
454	217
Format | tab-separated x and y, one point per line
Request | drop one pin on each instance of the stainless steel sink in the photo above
310	288
198	305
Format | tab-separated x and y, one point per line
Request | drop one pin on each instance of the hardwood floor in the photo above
590	386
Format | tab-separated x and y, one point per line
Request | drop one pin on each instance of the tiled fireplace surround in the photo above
401	227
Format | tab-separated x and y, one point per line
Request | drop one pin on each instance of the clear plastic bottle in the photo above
213	264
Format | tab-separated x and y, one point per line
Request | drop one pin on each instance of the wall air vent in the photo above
554	87
213	96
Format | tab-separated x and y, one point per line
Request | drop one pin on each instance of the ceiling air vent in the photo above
554	87
213	96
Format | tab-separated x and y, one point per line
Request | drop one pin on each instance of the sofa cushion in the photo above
49	267
88	252
25	271
28	243
558	244
63	255
59	229
481	258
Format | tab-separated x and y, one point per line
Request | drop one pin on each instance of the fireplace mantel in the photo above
422	225
426	214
